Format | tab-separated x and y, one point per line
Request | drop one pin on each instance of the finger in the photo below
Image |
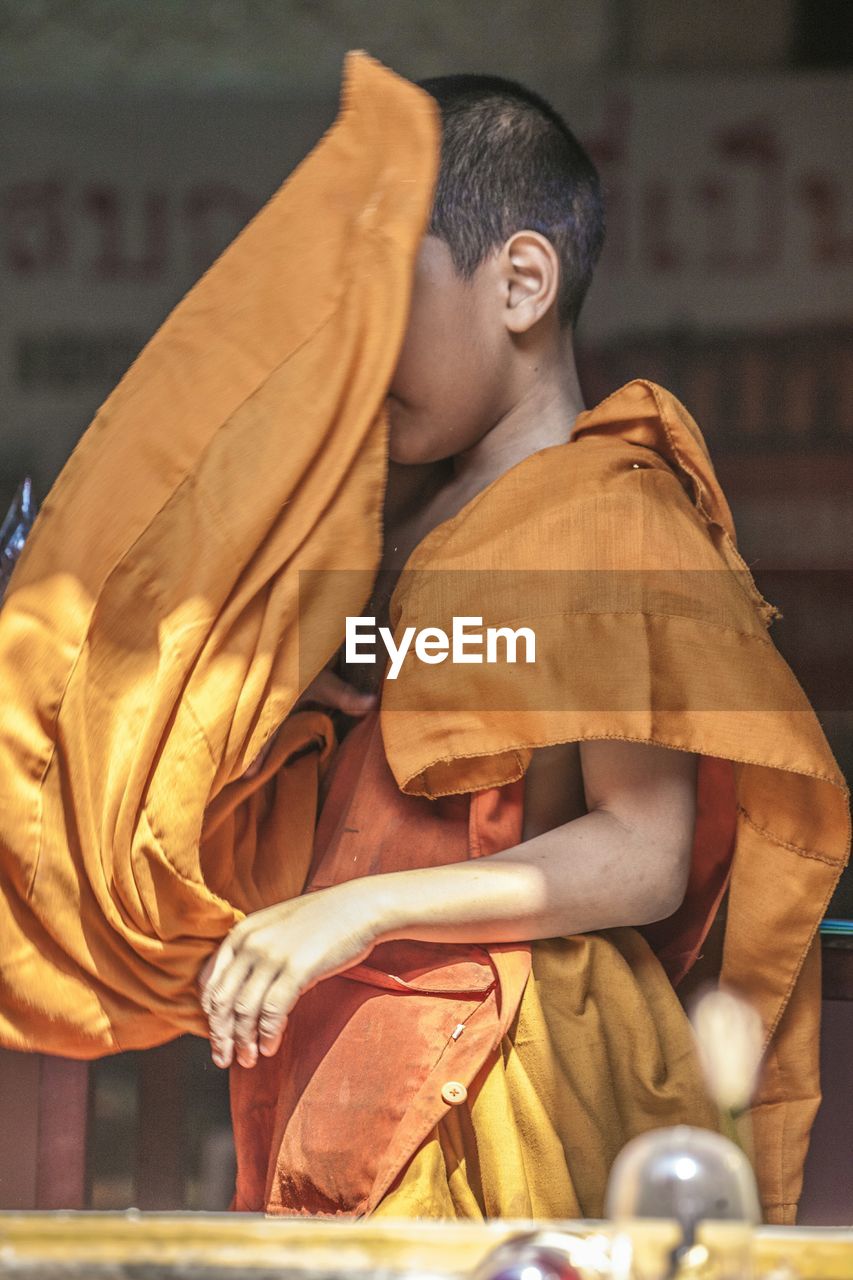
277	1004
260	759
356	703
335	692
247	1009
204	974
222	995
214	968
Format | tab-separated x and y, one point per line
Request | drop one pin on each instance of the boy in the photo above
485	380
487	377
430	1033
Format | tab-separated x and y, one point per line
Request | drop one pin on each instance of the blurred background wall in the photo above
138	136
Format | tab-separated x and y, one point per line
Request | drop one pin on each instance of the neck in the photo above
543	413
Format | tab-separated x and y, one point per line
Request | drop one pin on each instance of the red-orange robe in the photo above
618	550
359	1087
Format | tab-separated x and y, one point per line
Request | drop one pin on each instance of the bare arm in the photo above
624	862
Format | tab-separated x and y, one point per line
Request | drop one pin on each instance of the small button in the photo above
454	1093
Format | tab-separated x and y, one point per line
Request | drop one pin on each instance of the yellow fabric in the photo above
618	549
600	1051
150	637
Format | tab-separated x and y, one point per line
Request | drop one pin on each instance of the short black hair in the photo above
510	163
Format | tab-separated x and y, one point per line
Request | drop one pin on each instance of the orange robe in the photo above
222	516
660	636
618	550
151	632
568	1048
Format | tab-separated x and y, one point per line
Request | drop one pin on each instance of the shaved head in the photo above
510	163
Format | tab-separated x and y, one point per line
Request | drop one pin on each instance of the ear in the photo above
531	276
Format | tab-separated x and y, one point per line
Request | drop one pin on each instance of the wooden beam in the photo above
44	1120
63	1131
162	1138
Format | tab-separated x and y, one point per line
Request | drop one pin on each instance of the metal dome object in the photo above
683	1173
546	1255
686	1174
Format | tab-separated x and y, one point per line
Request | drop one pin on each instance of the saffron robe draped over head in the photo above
148	639
150	645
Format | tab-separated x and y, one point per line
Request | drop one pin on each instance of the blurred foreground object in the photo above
730	1040
538	1255
690	1175
13	532
729	1035
203	1246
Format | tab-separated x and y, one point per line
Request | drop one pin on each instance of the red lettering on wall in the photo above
824	200
608	148
745	236
214	213
34	227
661	249
112	212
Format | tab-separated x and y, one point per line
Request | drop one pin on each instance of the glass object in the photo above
692	1176
13	531
546	1255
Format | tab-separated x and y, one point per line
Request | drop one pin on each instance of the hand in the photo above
249	986
329	690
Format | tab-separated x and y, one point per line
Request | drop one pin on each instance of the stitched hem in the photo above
787	844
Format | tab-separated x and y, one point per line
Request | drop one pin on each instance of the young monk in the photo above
486	379
441	983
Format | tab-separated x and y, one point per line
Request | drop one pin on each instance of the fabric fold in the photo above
618	550
150	638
